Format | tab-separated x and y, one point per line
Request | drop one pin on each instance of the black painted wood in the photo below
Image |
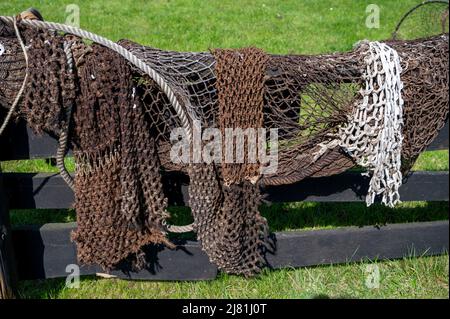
352	187
50	191
19	142
45	252
8	275
441	141
349	244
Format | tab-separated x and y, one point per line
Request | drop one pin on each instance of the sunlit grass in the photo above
425	277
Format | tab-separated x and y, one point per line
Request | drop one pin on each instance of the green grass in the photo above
427	161
288	26
425	277
285	216
432	161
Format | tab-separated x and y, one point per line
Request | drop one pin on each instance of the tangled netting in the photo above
12	65
377	106
373	135
120	201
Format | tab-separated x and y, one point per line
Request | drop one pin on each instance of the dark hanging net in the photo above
330	112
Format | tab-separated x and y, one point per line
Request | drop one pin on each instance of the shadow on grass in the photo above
283	216
302	215
45	288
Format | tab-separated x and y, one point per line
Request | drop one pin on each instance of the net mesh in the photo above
308	98
120	201
12	66
427	17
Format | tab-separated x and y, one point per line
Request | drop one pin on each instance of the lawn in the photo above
289	26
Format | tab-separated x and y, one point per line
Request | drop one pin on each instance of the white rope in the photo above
123	52
64	134
177	229
22	88
373	135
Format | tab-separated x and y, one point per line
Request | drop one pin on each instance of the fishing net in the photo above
377	106
308	98
225	201
120	201
119	196
12	66
427	17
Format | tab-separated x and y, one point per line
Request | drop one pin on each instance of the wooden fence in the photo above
40	252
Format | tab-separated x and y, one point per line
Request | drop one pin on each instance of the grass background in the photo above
289	26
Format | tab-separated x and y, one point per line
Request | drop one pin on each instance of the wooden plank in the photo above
8	278
441	141
46	251
352	187
50	191
350	244
28	190
19	142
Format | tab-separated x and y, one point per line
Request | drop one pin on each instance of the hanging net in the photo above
377	106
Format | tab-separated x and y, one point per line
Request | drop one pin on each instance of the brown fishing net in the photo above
224	200
307	98
12	66
324	90
120	201
227	221
122	122
51	87
119	196
240	90
426	78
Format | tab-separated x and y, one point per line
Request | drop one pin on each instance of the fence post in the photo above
8	274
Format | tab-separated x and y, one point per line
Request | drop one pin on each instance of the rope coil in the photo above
184	116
